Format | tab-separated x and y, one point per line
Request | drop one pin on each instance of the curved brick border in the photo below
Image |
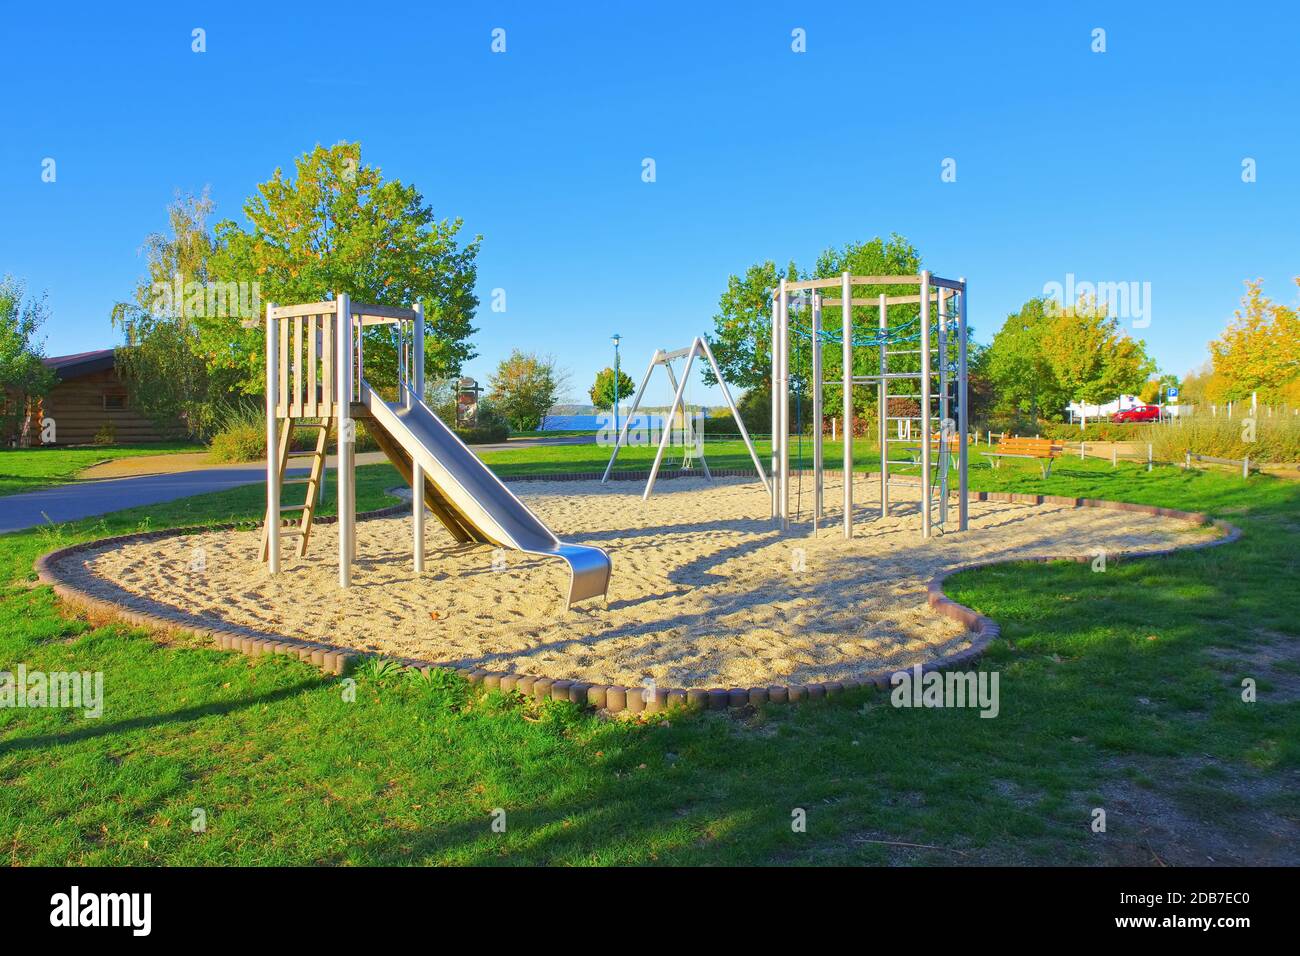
613	698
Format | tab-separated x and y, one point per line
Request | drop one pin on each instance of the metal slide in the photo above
472	502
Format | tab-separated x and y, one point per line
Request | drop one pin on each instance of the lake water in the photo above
605	420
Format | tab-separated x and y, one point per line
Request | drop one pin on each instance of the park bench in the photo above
1043	449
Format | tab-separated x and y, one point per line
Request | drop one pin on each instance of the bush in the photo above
242	436
1276	439
107	434
483	434
1095	431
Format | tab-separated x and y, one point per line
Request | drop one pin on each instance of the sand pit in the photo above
705	592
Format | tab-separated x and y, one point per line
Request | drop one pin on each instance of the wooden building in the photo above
89	403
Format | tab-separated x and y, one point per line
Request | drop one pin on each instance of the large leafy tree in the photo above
742	337
1021	375
524	387
1093	359
1259	352
23	376
1046	356
336	225
163	356
602	390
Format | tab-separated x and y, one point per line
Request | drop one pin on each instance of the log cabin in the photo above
89	403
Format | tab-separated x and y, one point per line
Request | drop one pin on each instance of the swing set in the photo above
692	441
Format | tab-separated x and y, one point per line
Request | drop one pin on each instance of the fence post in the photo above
1187	460
1114	456
1082	445
1148	456
1245	467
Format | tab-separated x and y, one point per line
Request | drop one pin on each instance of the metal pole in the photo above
272	442
783	395
962	411
776	412
846	383
945	409
817	408
882	399
616	387
925	404
343	368
667	430
621	438
735	413
417	470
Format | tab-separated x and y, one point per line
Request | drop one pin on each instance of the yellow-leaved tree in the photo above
1259	352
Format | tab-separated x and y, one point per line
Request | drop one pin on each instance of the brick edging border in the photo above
333	659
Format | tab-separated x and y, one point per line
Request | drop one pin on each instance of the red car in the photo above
1138	413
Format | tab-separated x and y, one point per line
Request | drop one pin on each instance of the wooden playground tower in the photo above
314	369
938	387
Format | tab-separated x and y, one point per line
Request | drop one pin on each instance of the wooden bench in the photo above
1043	449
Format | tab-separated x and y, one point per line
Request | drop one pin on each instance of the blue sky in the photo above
1115	166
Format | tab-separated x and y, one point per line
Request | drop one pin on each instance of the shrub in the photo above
242	435
1095	431
107	434
1276	439
483	434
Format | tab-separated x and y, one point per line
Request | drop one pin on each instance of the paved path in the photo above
85	499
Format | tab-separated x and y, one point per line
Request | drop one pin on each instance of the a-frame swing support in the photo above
699	346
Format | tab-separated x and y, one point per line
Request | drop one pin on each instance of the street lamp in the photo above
616	338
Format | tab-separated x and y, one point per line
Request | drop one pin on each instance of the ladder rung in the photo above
300	507
296	481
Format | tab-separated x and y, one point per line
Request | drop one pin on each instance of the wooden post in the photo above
1148	456
272	449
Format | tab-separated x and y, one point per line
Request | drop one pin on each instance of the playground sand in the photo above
704	592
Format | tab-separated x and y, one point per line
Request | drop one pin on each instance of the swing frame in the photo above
699	346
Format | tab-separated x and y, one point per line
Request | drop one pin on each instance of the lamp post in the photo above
616	338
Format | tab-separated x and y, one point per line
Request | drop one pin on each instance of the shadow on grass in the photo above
95	730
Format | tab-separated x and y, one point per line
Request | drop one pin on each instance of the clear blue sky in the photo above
1120	166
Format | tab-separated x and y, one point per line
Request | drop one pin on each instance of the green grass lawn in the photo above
1118	690
29	469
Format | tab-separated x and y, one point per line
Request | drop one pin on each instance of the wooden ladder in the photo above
313	481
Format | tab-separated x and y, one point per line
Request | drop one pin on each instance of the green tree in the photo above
163	356
1046	356
1259	352
1093	359
742	334
524	387
1023	379
338	226
23	376
602	391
